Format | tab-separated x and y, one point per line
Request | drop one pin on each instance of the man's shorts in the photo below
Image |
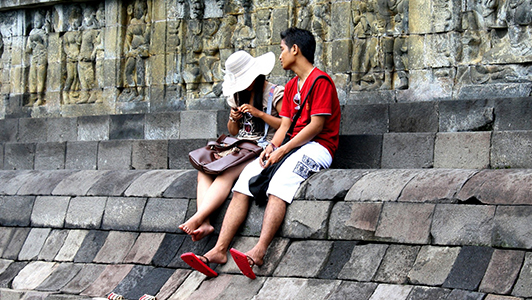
309	159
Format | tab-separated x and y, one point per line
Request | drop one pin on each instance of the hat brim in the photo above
262	65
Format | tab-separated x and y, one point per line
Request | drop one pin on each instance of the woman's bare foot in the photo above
204	230
215	256
190	225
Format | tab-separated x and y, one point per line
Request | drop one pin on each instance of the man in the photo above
316	133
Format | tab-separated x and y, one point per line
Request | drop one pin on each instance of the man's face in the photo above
286	57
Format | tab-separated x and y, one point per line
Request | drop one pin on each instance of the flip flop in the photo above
192	260
241	261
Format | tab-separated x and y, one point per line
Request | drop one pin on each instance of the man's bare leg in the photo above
234	217
273	218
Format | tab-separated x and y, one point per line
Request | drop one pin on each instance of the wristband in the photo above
273	146
231	119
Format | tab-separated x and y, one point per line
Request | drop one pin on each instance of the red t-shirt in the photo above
322	101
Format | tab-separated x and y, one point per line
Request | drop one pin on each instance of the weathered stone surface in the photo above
306	219
354	221
16	210
183	186
114	155
149	284
62	275
370	186
81	155
34	243
304	258
499	297
364	262
395	265
92	243
132	279
78	183
86	276
85	212
191	283
469	268
145	248
5	236
413	117
114	183
338	183
43	182
358	152
33	274
389	291
281	288
188	245
49	211
123	213
513	114
513	227
462	224
93	128
509	149
353	290
126	127
109	278
407	150
16	242
62	129
190	121
168	249
405	222
13	180
462	150
19	156
152	183
32	130
163	214
234	287
435	184
461	294
433	265
364	119
162	126
178	149
498	187
523	286
116	247
71	245
53	244
149	155
8	130
422	293
340	254
6	278
50	156
502	271
466	115
174	282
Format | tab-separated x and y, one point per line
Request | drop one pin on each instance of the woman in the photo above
248	94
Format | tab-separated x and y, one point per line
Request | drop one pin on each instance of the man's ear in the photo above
295	49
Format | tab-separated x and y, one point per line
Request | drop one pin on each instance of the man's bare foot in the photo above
204	230
215	256
257	257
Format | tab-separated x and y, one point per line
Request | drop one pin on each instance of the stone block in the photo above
466	115
370	186
168	249
19	156
123	213
62	129
6	278
281	288
414	117
132	279
115	155
126	127
111	276
86	276
33	274
174	282
8	130
338	183
341	50
499	297
396	264
162	126
53	244
116	247
469	268
49	211
85	212
422	293
32	130
149	284
231	288
211	289
407	150
114	183
5	237
93	128
191	120
513	114
363	262
364	119
16	210
62	275
145	248
405	223
163	214
340	254
306	219
502	271
152	183
435	185
81	155
92	243
33	244
462	224
433	265
178	152
1	156
509	149
523	286
78	183
353	290
50	156
354	221
253	223
150	155
43	182
462	150
389	291
71	245
358	152
188	245
304	259
191	284
184	186
513	227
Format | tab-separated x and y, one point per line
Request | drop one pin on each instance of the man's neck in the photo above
303	71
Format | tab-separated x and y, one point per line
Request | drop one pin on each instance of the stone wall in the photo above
142	56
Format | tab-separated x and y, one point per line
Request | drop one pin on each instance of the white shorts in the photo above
309	159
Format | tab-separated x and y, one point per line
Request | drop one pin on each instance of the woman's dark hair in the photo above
258	89
303	39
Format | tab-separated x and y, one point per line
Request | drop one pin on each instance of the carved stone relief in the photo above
37	49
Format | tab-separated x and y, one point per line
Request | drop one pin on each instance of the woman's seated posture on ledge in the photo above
248	95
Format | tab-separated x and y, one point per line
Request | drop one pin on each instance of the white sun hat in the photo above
241	69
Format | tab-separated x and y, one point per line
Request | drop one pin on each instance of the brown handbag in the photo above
222	154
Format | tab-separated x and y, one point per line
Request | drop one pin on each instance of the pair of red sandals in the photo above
240	259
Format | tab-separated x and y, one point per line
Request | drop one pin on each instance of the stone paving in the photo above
402	234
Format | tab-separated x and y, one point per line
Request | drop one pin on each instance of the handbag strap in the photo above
298	113
268	111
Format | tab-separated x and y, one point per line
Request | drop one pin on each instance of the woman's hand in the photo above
247	108
235	114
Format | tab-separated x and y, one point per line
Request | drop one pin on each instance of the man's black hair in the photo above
303	39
